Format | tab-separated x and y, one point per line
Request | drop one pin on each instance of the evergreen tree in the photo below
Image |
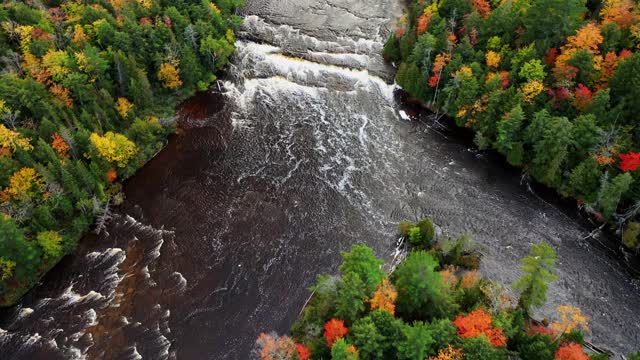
538	268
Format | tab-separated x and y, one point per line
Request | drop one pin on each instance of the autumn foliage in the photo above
476	323
72	72
112	175
583	97
448	353
59	145
569	319
630	161
571	351
423	23
385	297
304	353
169	74
272	347
570	66
482	7
334	330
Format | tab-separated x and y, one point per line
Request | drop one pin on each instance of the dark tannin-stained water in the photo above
305	153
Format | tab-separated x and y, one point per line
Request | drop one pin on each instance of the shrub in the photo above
404	227
427	230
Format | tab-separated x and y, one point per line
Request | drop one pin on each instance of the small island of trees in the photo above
435	305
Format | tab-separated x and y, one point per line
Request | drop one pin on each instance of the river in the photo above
306	152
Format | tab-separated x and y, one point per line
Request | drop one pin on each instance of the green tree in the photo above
479	348
625	86
376	334
15	248
508	131
361	261
421	292
550	147
612	192
532	70
350	300
549	22
51	244
340	351
537	347
538	269
443	333
416	343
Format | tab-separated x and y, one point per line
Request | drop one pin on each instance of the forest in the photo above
434	305
553	85
87	95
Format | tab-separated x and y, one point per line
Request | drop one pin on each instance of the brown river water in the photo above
306	151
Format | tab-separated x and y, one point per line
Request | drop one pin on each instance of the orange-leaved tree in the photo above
478	322
272	347
571	351
385	297
59	145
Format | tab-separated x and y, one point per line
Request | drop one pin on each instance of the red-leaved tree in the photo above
334	330
630	161
304	353
582	97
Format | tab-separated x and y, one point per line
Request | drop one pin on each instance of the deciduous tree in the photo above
113	147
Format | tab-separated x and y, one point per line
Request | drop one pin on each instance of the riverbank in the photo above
88	97
599	235
538	96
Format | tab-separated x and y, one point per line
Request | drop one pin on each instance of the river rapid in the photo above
306	152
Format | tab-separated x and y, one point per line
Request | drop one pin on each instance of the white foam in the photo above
135	355
24	312
91	317
32	339
181	281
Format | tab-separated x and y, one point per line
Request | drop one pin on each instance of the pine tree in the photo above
538	268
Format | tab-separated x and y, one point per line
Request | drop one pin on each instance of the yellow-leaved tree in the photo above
25	183
531	89
169	74
569	318
114	147
13	140
493	59
124	107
